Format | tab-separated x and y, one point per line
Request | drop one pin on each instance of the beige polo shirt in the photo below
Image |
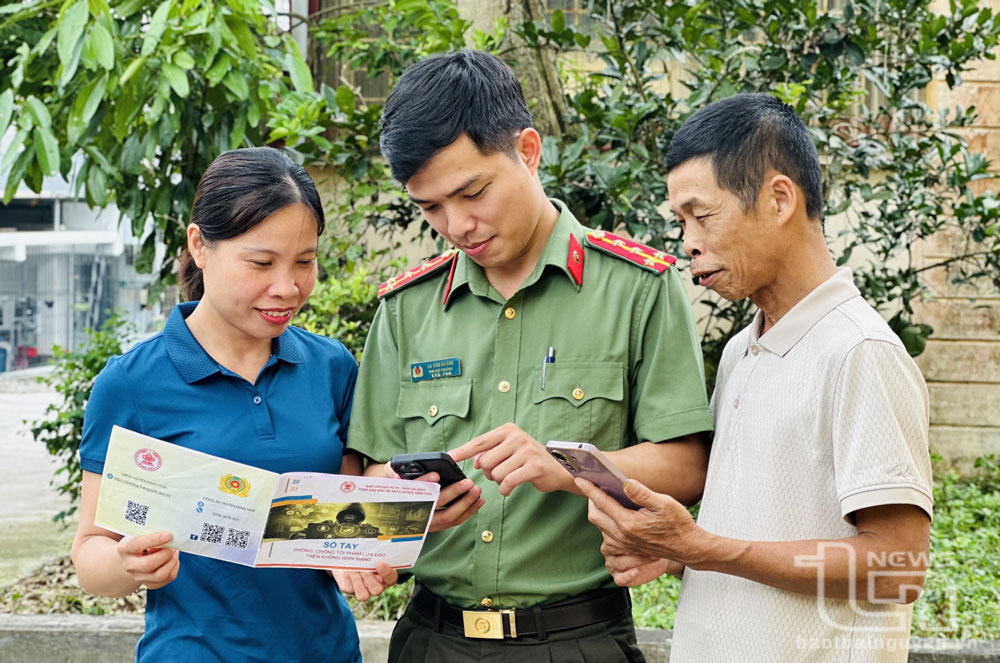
823	415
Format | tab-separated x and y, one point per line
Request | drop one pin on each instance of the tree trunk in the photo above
535	68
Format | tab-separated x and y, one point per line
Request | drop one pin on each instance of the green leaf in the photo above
253	113
855	54
102	161
14	8
68	70
239	130
45	41
17	173
914	338
236	83
218	70
144	261
84	107
13	150
773	62
39	112
131	70
6	109
131	156
46	150
157	26
104	46
184	60
345	99
299	71
244	37
70	30
177	79
97	185
129	7
558	20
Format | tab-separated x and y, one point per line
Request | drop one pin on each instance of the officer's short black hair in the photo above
438	99
745	135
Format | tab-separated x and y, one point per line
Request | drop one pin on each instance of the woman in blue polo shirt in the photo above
230	377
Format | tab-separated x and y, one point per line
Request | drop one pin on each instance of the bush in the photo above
73	378
896	170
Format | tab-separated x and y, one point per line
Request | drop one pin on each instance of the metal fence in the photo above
56	293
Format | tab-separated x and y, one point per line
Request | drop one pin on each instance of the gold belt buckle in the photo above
487	624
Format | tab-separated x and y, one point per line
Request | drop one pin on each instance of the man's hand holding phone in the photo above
459	495
585	461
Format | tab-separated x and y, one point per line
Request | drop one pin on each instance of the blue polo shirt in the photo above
292	418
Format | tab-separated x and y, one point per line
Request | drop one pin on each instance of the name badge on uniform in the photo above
431	370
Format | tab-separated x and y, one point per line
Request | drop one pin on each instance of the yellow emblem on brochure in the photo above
234	485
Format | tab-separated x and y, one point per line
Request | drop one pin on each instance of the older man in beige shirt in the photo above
813	531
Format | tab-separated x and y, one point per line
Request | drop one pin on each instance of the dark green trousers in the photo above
416	639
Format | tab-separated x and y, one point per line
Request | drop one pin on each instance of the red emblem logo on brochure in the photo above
148	460
348	486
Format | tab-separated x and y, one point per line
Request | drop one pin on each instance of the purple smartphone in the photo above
584	460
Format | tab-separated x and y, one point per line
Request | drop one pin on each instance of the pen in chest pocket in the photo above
550	358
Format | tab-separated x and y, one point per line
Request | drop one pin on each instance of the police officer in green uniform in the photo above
532	329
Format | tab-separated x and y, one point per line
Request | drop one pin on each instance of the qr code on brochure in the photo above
212	533
136	513
238	538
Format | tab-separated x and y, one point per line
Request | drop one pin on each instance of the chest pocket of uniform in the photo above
432	412
582	402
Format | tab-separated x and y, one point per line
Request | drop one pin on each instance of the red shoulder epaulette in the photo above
411	276
634	252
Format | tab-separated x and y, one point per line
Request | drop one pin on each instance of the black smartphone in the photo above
411	466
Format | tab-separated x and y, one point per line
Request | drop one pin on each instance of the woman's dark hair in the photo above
237	192
746	134
438	99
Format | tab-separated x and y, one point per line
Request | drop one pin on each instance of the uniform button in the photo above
504	386
755	350
578	394
257	400
736	403
487	536
432	410
486	602
509	312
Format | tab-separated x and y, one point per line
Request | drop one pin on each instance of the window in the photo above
27	214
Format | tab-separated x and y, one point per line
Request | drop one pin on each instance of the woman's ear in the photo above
196	245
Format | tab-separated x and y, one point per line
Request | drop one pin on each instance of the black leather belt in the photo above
590	608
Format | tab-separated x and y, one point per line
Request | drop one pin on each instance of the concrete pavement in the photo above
28	537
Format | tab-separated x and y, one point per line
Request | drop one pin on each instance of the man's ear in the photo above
783	196
528	145
196	245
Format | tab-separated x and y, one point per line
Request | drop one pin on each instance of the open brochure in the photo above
219	508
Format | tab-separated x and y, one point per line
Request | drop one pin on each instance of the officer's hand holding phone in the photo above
459	495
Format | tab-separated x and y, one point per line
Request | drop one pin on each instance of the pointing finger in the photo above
476	445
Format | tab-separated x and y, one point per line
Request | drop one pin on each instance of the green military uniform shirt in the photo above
628	368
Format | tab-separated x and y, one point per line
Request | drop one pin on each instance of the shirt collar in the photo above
812	308
191	360
555	253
